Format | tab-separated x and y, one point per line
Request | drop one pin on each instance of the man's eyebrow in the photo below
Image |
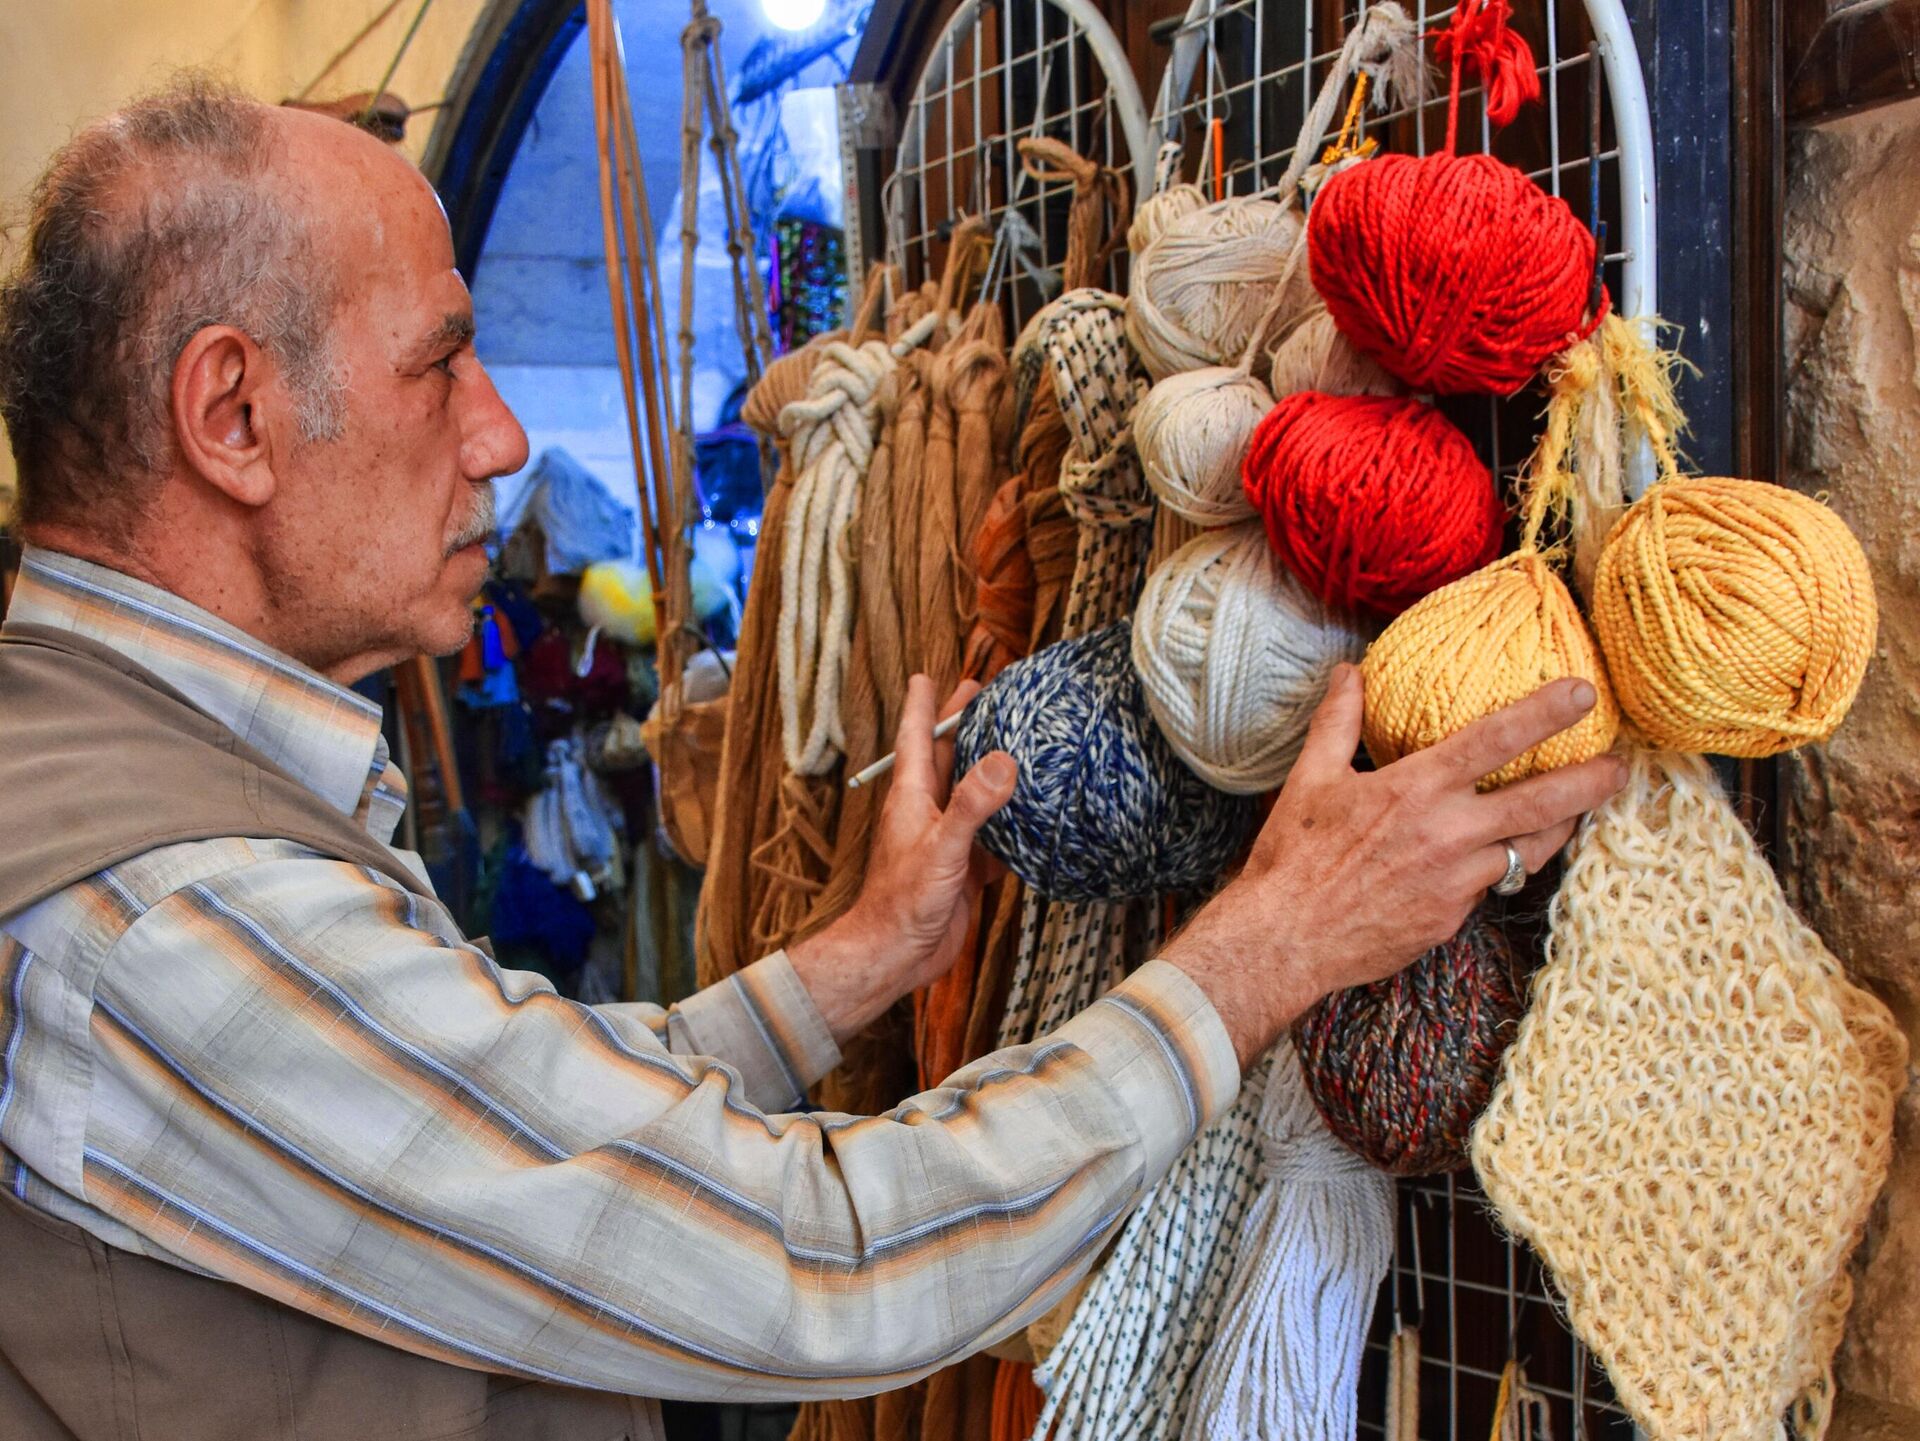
454	330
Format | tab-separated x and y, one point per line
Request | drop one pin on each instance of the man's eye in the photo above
444	364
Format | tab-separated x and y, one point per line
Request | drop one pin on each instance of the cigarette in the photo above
880	767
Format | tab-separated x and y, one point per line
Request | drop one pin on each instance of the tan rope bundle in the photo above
1737	617
1314	355
1695	1116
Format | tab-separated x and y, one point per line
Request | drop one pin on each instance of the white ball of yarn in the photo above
1204	283
1192	432
1159	210
1314	355
1234	654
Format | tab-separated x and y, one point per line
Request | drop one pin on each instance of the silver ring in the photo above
1516	877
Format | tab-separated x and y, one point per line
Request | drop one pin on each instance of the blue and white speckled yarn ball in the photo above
1103	809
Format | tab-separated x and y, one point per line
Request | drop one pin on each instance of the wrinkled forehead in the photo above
374	218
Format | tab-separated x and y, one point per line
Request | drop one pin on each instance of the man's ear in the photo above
222	411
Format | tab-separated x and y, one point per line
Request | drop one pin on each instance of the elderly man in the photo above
283	1153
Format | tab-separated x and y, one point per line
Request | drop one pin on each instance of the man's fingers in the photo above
1540	802
1536	849
977	795
1333	735
1493	740
943	748
913	763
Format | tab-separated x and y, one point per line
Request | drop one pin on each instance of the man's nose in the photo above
494	442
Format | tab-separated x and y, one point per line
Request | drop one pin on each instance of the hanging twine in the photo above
1123	1367
1737	617
1102	200
1285	1360
1401	1068
1103	809
1214	280
1695	1117
1234	654
1314	355
1456	272
1372	501
1403	1384
831	433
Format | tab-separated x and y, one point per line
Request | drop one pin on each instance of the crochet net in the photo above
1695	1117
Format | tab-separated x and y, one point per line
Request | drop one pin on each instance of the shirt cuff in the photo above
762	1022
1159	1042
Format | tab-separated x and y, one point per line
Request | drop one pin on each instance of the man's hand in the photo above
924	875
1355	874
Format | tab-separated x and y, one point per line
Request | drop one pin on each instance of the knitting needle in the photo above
880	767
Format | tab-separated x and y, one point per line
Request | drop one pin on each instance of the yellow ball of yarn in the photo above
1485	641
1737	617
617	596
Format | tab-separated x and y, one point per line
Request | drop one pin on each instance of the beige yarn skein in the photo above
1314	355
1234	654
1159	210
1192	432
1200	289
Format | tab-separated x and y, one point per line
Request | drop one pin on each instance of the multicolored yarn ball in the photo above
1314	355
1373	501
1103	809
1204	284
1400	1069
1475	646
1456	272
1234	655
617	596
1191	433
1737	617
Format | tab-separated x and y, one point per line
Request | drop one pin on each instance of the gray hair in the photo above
145	228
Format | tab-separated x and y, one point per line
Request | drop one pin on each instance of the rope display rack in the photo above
1003	71
1238	79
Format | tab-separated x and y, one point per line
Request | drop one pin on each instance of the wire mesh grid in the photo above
1239	79
1004	70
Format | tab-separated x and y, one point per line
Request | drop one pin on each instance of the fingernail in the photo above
997	770
1584	695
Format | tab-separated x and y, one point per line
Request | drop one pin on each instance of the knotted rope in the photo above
832	437
1285	1361
1102	200
1234	654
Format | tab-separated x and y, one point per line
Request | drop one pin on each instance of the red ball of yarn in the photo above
1372	500
1455	272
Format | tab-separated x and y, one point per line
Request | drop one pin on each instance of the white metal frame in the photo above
1109	124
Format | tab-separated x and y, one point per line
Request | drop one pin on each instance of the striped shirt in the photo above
253	1061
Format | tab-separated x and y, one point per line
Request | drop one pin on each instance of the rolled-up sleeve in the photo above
303	1081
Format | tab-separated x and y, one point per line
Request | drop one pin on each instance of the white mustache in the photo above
479	526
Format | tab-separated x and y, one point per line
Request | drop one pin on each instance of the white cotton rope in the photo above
1285	1359
1121	1369
1153	215
832	436
1234	653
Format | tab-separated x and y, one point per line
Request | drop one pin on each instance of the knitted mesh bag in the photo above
1695	1117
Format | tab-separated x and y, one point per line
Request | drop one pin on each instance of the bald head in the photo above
172	214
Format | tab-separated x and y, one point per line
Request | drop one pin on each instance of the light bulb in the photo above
793	14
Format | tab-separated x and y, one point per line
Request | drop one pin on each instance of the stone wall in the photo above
1852	808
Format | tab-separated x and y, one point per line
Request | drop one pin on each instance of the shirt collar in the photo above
322	734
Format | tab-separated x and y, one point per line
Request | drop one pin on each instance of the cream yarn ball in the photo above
1159	210
1191	432
1234	654
1314	355
1206	281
